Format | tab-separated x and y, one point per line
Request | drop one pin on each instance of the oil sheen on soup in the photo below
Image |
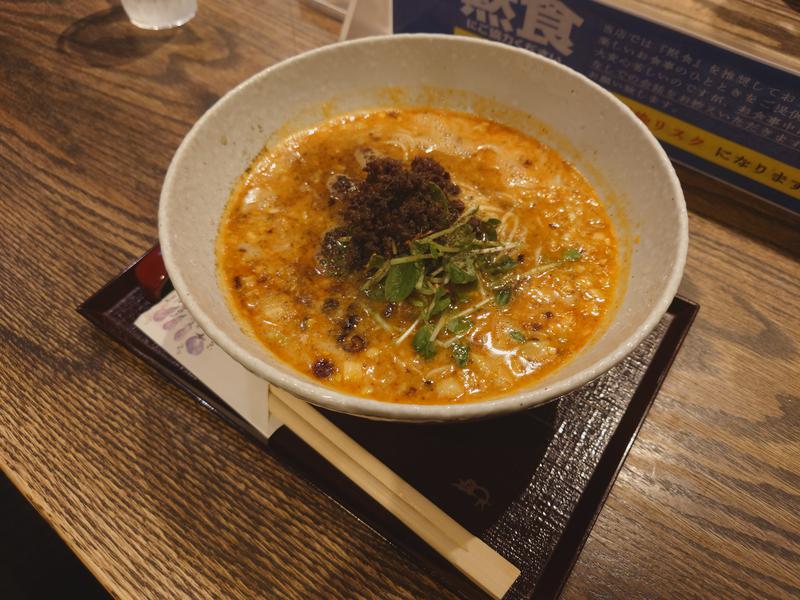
417	255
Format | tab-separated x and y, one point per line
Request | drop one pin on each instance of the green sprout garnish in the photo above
517	336
465	265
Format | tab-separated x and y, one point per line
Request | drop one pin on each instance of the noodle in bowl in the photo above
572	116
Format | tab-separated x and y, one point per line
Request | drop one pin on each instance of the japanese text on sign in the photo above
543	23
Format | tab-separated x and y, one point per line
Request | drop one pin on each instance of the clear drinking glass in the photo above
159	14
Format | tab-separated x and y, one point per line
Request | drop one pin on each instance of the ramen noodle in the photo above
417	255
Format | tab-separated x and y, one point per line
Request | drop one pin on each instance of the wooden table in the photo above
161	499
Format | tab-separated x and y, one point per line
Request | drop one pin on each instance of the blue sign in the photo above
733	117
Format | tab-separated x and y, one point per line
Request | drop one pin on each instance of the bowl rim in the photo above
367	407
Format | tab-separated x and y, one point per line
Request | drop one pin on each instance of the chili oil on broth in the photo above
279	212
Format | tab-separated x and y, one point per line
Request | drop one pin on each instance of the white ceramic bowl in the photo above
584	123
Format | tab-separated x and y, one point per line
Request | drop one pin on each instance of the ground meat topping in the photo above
391	206
389	310
348	325
323	368
337	255
354	344
338	187
329	305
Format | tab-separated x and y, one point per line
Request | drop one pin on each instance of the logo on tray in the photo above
471	488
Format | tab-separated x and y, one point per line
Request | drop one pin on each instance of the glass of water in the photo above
159	14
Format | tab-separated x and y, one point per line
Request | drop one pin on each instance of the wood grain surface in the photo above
768	29
161	499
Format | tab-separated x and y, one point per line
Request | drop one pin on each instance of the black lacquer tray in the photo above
530	485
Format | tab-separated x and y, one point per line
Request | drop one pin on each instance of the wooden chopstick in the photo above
480	563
